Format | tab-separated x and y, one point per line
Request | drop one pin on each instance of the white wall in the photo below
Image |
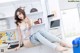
70	22
53	8
70	17
64	4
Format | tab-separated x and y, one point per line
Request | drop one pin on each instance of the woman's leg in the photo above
53	38
46	42
49	36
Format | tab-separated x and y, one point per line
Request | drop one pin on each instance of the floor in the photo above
44	49
69	51
69	40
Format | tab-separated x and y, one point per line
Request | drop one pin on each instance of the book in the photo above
11	35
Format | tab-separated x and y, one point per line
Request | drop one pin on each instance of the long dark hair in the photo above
16	17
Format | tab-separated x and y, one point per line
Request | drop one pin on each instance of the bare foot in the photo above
60	48
64	44
17	48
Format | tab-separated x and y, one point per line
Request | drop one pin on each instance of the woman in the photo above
40	37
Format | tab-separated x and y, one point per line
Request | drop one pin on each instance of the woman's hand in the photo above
17	48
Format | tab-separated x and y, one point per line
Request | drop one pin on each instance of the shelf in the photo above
54	28
2	17
53	19
12	41
35	1
35	13
8	29
29	14
3	45
6	17
27	2
38	25
32	3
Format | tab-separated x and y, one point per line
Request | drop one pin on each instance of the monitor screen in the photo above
54	23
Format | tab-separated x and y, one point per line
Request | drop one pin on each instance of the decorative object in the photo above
33	10
11	35
38	21
51	15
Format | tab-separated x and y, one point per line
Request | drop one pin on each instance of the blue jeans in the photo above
44	37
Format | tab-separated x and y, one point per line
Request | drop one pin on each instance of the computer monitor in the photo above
54	24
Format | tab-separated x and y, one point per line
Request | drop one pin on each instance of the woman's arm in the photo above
19	37
29	26
28	22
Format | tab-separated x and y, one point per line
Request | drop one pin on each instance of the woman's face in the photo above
20	15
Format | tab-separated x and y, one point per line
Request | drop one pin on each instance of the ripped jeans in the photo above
44	37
